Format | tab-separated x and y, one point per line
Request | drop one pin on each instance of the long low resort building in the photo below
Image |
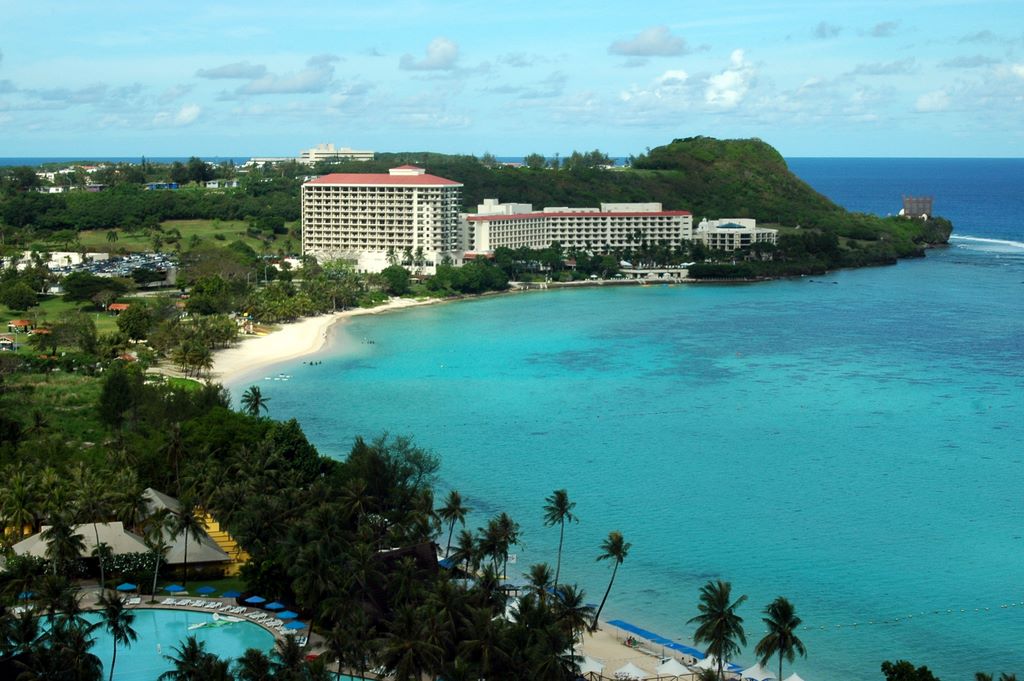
608	227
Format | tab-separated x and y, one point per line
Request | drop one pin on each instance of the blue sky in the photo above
852	78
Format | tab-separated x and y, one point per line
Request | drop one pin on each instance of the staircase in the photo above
226	543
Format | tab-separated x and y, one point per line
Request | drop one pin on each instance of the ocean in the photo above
850	441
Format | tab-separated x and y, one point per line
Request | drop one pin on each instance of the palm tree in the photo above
117	620
465	548
92	505
572	611
189	660
160	523
254	665
406	651
558	511
718	625
186	523
453	512
781	638
614	548
539	579
253	401
63	545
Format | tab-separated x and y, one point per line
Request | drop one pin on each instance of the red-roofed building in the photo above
612	226
117	308
376	219
20	325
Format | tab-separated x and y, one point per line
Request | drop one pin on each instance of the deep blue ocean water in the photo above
851	441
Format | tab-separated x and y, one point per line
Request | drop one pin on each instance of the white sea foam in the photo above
1005	244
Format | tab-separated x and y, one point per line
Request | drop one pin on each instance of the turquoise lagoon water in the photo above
851	441
160	631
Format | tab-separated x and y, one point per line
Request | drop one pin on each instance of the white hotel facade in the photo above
371	218
611	226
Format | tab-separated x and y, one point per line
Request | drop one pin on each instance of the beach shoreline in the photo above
293	340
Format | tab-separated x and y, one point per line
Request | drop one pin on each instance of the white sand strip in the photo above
291	341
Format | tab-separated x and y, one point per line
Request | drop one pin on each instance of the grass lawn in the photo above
221	232
67	401
50	309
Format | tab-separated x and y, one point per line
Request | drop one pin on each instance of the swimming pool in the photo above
160	631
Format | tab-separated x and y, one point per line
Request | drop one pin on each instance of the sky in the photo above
842	78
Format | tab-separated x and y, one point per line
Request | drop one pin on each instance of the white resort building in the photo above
611	226
374	219
321	152
731	234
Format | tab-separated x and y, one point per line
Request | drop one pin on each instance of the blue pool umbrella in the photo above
25	595
287	615
231	594
255	600
274	606
174	587
127	586
205	590
294	624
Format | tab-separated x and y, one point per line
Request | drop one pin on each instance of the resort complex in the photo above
374	219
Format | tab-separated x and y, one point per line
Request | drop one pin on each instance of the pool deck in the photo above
90	601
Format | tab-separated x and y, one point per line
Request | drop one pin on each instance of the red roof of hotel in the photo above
580	214
118	306
384	180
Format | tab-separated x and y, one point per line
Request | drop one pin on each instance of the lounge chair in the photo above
134	601
168	601
211	605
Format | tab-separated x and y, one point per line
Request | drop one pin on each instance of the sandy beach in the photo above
608	646
298	339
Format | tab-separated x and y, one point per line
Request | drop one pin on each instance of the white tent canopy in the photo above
757	673
630	671
672	667
794	677
590	665
709	662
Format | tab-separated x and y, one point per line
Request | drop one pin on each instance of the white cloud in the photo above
670	78
242	70
985	36
726	90
884	29
825	30
174	93
930	102
441	55
891	68
972	62
1017	70
186	115
316	77
656	41
552	86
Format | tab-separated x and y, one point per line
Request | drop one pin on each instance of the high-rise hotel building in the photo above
375	219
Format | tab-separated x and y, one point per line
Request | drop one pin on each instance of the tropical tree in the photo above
159	525
615	549
190	661
453	511
782	621
64	546
558	511
254	665
92	505
253	401
718	625
186	523
117	620
406	650
539	579
572	611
